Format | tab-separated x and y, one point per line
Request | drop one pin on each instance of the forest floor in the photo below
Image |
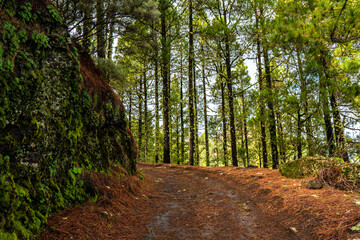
167	201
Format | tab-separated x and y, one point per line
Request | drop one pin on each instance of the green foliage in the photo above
49	131
40	39
111	71
310	166
77	170
356	227
24	12
54	13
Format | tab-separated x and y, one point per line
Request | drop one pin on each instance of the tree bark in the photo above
339	129
190	86
325	103
130	98
87	27
182	111
165	62
261	99
231	98
299	130
157	117
197	155
245	130
272	120
207	152
111	38
223	116
145	115
304	102
100	29
140	94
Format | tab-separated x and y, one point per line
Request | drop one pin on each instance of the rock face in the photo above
314	184
58	119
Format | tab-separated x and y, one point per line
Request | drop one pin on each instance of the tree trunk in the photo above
140	94
100	29
299	130
339	129
281	142
231	99
111	38
325	104
130	98
272	120
157	117
197	155
182	112
245	130
177	141
207	152
242	141
223	121
190	88
261	100
87	27
304	102
145	115
338	125
165	63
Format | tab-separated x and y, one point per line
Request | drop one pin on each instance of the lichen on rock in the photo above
56	123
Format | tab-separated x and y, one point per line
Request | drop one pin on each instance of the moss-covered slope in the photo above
58	118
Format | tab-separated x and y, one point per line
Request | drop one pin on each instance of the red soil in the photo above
183	202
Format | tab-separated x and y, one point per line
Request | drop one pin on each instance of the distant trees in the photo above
181	72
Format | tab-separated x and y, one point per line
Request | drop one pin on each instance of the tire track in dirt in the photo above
197	203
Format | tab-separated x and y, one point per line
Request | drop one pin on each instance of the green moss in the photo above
7	235
50	130
306	167
299	168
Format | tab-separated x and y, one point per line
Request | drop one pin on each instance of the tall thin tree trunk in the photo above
281	142
270	103
157	116
207	151
165	63
327	118
223	116
190	88
325	104
245	129
231	98
130	99
338	125
299	130
100	29
145	115
304	101
197	154
242	141
111	38
261	99
339	129
87	27
177	140
182	111
140	118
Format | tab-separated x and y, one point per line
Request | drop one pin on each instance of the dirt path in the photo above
181	202
193	203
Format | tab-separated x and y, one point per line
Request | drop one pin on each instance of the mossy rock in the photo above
54	119
299	168
307	167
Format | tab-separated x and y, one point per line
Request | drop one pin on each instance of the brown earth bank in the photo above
188	202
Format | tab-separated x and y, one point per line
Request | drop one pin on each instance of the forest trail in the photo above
166	201
195	203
